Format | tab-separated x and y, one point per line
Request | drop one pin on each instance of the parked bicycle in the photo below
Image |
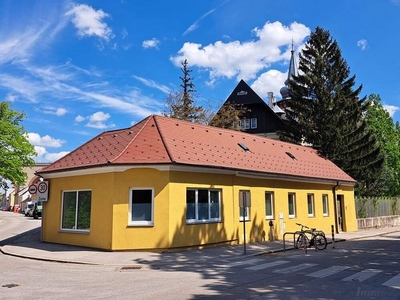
311	237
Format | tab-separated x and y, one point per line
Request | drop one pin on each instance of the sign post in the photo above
244	203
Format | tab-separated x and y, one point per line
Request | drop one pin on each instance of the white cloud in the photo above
244	59
11	98
362	44
153	43
79	119
391	109
45	157
270	81
54	111
98	120
89	21
153	84
44	141
195	25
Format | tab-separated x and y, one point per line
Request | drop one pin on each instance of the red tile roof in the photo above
162	140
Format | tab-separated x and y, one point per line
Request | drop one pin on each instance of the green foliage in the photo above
15	150
180	104
388	135
325	112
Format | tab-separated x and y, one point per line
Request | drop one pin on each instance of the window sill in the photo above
141	224
64	230
196	222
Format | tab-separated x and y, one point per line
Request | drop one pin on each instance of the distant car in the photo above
29	208
37	210
7	208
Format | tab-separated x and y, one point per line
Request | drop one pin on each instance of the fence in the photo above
377	207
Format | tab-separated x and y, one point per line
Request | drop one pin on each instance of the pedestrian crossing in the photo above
282	267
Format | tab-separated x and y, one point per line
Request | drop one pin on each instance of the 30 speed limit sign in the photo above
42	190
42	187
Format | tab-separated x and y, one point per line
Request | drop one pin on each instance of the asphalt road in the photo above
361	269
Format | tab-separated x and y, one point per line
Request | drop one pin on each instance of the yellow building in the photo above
166	184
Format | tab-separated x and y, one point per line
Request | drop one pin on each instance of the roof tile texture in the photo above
159	139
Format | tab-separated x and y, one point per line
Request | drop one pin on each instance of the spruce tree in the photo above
181	104
325	112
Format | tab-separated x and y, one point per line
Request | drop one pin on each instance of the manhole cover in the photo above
10	285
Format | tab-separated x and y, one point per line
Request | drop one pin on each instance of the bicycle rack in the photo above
294	239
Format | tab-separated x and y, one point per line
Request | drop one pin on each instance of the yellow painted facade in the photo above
109	222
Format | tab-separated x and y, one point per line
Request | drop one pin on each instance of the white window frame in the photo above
253	122
292	197
142	222
310	200
271	199
76	211
245	124
196	220
325	204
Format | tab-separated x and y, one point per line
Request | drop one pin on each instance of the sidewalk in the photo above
31	247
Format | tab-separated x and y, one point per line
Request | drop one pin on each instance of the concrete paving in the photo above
31	247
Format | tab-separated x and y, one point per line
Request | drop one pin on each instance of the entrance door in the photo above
340	212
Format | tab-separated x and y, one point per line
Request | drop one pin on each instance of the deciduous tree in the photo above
15	150
388	135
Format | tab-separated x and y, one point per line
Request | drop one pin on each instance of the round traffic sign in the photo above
42	187
32	189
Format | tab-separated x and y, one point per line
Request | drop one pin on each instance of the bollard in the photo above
333	237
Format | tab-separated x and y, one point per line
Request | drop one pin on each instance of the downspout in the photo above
335	207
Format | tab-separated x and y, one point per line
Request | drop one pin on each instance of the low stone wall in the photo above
378	222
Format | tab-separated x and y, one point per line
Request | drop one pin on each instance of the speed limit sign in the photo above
42	190
42	187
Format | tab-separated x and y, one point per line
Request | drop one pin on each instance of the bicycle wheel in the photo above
301	240
320	241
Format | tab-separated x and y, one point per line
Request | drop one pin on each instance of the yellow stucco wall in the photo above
110	206
101	211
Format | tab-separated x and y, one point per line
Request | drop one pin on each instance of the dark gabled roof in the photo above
162	140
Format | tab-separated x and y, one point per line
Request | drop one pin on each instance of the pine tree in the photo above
180	105
325	111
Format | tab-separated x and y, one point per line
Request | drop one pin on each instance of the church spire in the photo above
292	71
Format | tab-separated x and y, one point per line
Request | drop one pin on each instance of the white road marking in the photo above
363	275
327	272
267	265
294	268
243	262
394	282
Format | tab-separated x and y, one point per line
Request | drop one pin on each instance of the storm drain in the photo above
10	285
128	268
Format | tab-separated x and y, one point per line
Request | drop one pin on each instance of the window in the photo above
244	205
310	205
269	205
245	124
76	207
325	205
141	207
254	123
292	205
203	205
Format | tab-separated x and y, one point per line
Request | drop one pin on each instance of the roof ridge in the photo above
133	138
162	138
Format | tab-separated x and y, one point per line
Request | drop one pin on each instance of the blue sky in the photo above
79	68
